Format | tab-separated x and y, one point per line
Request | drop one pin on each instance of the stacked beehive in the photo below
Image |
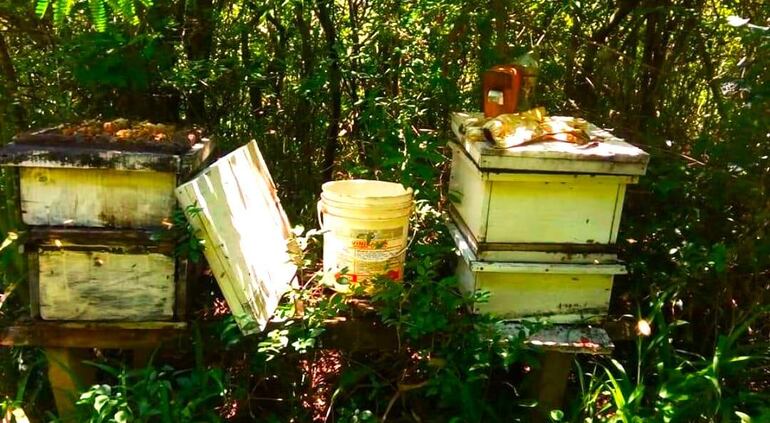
94	207
537	224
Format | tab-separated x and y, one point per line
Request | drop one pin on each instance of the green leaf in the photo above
61	8
121	417
41	7
557	415
98	14
128	11
100	402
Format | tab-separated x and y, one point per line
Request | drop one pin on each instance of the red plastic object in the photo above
500	89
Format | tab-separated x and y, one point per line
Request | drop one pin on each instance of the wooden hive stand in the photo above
102	274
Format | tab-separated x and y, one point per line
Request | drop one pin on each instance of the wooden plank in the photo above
88	285
33	275
122	240
549	268
246	233
25	155
68	376
569	339
562	165
559	178
120	335
96	198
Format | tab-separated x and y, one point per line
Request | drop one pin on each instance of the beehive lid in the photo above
138	146
234	207
608	155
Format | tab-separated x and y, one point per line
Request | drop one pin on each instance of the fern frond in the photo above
41	7
98	14
128	11
61	8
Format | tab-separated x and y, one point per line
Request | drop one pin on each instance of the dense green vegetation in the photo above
333	89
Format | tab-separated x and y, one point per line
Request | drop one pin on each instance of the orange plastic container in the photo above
501	86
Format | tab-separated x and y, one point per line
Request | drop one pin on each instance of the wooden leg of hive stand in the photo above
551	383
68	376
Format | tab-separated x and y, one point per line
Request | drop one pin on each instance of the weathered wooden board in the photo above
246	233
560	292
103	285
85	157
565	338
23	155
90	334
96	197
611	155
541	208
137	241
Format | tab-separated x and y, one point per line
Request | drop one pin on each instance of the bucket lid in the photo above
363	189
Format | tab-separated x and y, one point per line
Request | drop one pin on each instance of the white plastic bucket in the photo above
367	227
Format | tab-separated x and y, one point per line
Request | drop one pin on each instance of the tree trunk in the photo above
198	41
254	87
10	88
303	115
325	10
584	88
276	68
655	46
353	83
500	10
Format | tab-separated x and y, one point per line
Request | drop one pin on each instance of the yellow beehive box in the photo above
65	181
549	201
83	275
559	292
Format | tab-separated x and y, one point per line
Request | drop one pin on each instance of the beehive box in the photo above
96	207
66	180
559	292
549	201
104	276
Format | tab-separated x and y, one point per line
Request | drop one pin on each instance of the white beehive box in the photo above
559	292
549	201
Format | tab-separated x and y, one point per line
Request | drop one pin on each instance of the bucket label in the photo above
371	252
